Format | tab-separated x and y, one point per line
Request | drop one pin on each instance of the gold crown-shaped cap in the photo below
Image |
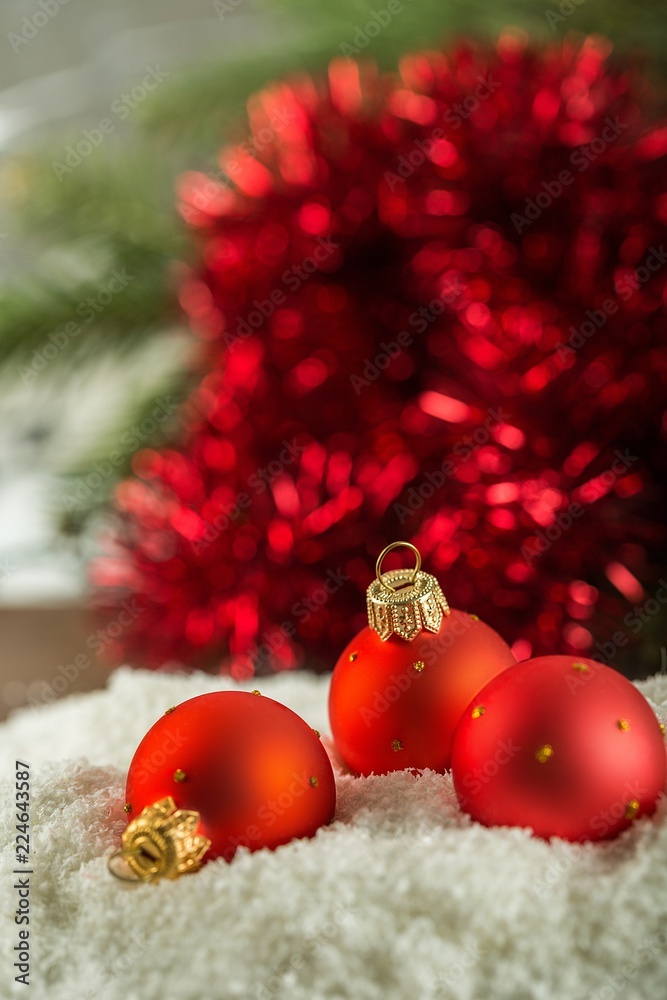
162	842
404	602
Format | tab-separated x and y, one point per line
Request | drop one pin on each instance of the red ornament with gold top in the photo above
400	687
565	746
221	771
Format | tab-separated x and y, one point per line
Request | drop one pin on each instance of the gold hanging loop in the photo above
390	548
126	875
406	601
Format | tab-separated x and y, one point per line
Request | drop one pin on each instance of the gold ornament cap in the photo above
161	842
404	602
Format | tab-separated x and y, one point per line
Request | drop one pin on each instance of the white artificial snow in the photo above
401	898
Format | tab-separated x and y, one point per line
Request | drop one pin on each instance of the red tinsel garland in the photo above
433	307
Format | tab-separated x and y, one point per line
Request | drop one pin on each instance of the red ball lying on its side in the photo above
565	746
254	770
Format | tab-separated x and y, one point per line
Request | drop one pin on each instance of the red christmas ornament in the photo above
252	772
401	685
565	746
409	324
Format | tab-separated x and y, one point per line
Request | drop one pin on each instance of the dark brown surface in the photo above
44	654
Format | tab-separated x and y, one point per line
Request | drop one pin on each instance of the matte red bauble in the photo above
251	770
400	687
565	746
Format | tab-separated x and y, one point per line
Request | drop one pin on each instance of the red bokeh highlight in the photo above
394	349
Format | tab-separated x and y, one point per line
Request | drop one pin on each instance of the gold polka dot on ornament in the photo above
313	781
478	711
581	668
317	733
631	809
396	745
544	753
256	692
662	728
623	725
127	808
168	711
179	775
475	618
419	665
352	657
